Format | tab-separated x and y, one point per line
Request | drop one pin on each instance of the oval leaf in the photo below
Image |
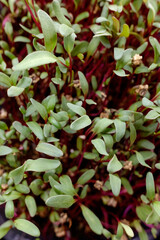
4	150
5	81
114	165
36	129
86	176
120	129
31	205
92	220
83	83
41	164
48	29
14	91
115	183
49	149
80	123
27	227
77	109
35	59
40	108
150	187
60	201
100	146
141	159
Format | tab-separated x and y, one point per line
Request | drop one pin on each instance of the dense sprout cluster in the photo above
80	118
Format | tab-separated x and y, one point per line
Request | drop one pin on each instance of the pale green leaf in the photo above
100	146
128	230
141	159
77	109
60	201
41	165
92	220
102	125
14	91
114	165
5	81
150	187
80	123
35	59
48	29
31	205
83	83
115	183
120	129
27	227
49	149
86	176
36	129
4	150
40	108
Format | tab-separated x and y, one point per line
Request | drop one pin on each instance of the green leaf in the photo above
27	227
152	115
13	195
36	129
80	123
22	129
48	29
127	185
35	186
21	39
141	159
24	82
86	176
100	146
83	83
65	30
141	69
59	13
82	16
125	31
69	42
92	220
128	230
144	143
115	183
5	227
93	45
22	188
150	187
5	81
4	150
156	207
102	125
49	149
116	8
14	91
40	108
31	205
41	164
156	46
67	185
9	209
60	201
120	129
35	59
114	165
133	133
17	174
147	103
77	109
120	73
